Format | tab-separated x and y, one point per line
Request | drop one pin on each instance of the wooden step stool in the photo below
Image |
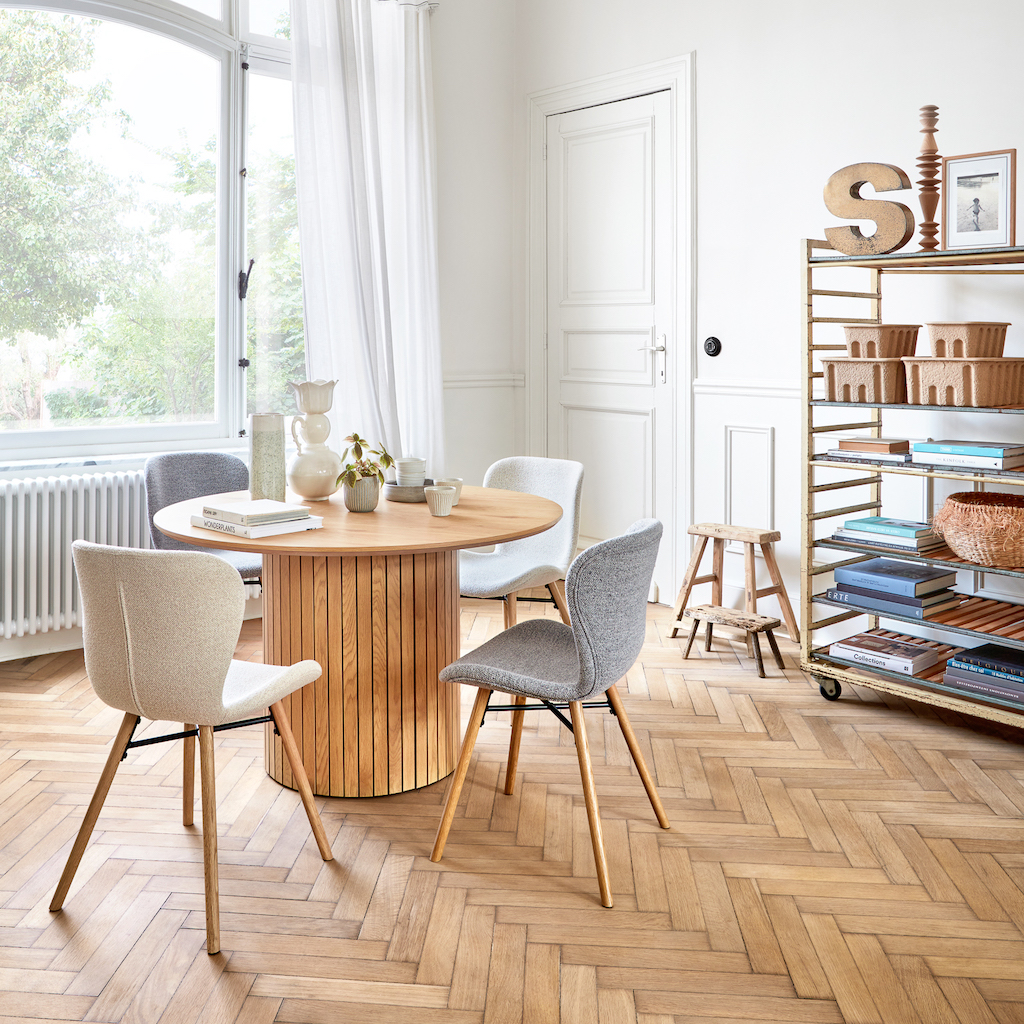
752	624
748	536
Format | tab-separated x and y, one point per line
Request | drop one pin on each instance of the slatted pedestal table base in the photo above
377	721
374	598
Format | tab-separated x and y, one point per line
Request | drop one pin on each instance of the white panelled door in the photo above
611	311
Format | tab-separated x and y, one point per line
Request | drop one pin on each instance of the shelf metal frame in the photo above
817	502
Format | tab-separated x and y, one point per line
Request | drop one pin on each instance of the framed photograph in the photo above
978	200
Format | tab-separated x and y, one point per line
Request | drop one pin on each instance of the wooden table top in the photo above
484	515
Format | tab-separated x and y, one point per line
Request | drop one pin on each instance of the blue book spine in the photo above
906	611
873	525
996	451
992	673
870	581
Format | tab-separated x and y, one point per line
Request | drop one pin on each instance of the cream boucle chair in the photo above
538	561
160	629
563	666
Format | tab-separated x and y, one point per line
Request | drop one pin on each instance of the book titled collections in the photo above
880	652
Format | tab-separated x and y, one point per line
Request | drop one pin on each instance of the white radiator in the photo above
39	518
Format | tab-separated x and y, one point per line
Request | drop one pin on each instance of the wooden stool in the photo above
752	624
748	536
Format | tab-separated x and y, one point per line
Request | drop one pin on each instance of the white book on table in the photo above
256	532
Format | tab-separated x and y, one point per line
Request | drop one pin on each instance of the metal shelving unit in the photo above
980	618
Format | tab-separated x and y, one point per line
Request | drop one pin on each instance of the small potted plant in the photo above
360	480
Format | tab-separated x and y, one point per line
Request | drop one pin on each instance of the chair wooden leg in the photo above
92	812
188	777
513	748
579	729
509	603
300	778
556	588
693	633
208	786
459	775
638	758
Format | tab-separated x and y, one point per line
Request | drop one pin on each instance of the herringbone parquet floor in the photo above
859	861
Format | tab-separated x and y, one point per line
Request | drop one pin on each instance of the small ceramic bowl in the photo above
453	481
440	499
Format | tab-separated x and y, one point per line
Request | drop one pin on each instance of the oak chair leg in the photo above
300	778
92	812
513	747
459	775
208	787
638	758
188	777
556	588
579	729
511	616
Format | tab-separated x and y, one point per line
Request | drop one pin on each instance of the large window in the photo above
124	166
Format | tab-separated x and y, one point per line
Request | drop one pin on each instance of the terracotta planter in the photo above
363	495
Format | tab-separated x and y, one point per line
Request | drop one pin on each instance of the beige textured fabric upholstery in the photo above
160	628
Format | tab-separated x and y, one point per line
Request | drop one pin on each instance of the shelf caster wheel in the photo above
830	689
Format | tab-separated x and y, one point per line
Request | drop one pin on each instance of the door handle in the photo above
661	349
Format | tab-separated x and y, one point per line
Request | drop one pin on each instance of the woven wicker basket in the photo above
983	527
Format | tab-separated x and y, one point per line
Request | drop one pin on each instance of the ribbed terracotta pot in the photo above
362	496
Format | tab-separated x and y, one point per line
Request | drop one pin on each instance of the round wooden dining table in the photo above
374	598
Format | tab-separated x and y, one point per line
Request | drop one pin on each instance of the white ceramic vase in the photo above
266	456
313	472
363	495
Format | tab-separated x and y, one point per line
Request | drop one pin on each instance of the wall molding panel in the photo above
485	380
724	388
749	472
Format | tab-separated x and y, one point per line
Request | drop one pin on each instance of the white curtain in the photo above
367	220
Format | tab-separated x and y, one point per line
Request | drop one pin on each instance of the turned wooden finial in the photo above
928	164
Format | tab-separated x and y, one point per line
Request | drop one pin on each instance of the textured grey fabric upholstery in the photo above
532	561
606	589
178	476
160	629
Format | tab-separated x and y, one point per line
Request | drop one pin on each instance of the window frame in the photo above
222	40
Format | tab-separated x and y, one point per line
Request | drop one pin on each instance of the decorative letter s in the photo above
895	222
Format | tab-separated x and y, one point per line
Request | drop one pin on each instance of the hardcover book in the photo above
875	444
990	675
937	597
896	527
890	540
893	577
885	544
852	456
968	461
881	652
998	449
255	513
256	532
883	607
1003	659
981	688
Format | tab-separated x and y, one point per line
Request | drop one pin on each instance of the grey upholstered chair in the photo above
558	665
160	629
178	476
539	561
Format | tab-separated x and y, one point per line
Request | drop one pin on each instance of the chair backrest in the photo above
178	476
160	629
557	479
606	590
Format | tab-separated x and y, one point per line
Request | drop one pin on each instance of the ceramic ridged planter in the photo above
362	495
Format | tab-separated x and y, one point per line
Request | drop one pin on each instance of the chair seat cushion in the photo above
251	687
536	658
248	564
497	573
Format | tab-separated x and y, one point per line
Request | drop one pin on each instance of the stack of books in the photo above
906	656
892	534
262	517
970	454
872	449
888	587
990	670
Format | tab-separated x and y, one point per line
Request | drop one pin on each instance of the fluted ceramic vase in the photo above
362	496
313	471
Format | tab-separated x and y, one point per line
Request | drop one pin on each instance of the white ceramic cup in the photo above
452	481
410	472
440	499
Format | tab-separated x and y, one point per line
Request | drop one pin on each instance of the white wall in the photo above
786	94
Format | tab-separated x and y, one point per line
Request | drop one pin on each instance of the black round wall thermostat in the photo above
712	346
